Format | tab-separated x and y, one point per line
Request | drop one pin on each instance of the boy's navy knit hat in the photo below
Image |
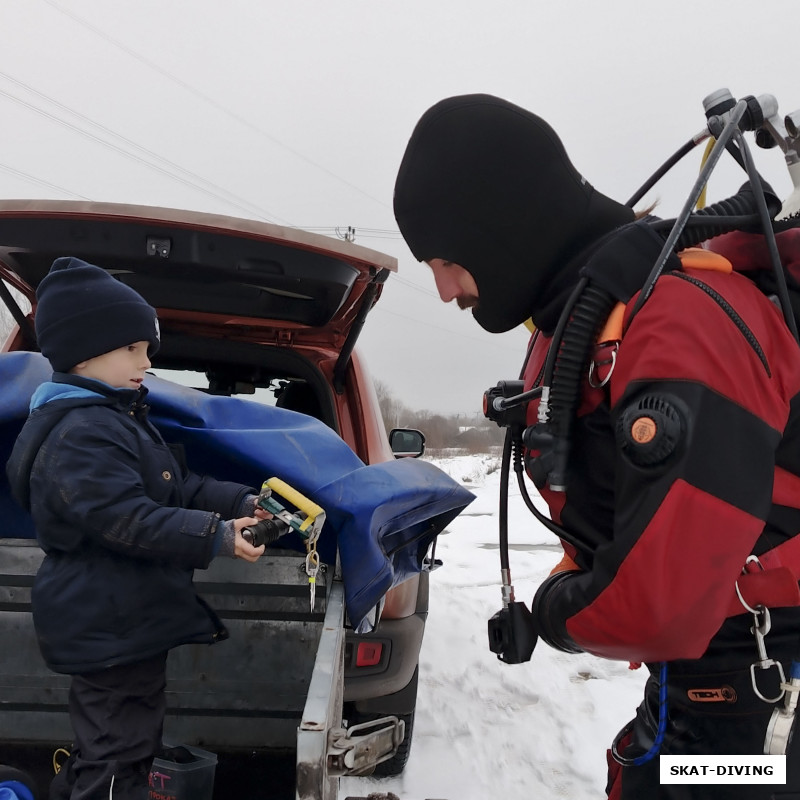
83	312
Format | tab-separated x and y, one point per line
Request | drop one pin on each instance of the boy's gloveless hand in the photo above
243	548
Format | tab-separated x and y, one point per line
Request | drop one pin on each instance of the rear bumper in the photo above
401	641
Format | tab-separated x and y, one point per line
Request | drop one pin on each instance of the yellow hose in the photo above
701	201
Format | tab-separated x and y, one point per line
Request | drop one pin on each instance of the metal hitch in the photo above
360	748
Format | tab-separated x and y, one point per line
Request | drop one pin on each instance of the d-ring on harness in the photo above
611	363
781	723
762	622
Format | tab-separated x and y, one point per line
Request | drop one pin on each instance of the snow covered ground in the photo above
485	729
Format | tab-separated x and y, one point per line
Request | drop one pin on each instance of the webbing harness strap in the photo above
776	586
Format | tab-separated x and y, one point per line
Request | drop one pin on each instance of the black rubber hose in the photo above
742	203
588	317
502	511
661	171
553	527
734	213
691	201
766	214
558	333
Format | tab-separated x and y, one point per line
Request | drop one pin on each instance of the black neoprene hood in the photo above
488	185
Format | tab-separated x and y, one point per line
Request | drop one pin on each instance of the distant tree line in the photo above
471	433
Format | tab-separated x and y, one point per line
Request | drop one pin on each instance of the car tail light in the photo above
368	654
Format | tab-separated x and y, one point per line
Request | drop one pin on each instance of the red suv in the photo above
245	308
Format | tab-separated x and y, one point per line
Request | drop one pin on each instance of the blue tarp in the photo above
14	790
382	516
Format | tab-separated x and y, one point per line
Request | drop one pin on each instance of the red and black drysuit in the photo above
488	187
671	538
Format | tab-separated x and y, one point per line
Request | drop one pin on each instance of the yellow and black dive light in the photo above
307	519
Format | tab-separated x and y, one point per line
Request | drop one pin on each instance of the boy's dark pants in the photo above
117	716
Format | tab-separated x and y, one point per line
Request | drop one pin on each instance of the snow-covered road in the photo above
485	729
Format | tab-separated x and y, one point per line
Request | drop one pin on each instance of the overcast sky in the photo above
298	113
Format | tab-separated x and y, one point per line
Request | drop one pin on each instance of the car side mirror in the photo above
406	442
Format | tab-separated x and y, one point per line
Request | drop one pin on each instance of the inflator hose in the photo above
588	316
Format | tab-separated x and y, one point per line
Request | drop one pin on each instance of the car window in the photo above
198	380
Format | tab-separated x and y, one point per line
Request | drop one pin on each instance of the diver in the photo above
662	434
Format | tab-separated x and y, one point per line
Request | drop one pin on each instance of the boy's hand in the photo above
243	548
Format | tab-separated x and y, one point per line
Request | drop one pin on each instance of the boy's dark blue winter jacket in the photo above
122	525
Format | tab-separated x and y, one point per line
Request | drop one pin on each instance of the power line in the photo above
366	233
384	232
353	233
190	181
33	179
412	285
489	341
208	99
388	235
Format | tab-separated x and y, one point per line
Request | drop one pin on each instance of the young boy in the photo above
122	526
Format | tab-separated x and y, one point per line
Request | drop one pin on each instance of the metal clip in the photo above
779	730
762	623
599	385
312	568
749	560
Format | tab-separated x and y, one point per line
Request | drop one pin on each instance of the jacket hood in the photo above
64	393
488	185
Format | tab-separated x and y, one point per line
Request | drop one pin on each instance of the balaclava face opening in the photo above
488	185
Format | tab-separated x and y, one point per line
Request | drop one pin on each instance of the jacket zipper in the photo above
730	311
